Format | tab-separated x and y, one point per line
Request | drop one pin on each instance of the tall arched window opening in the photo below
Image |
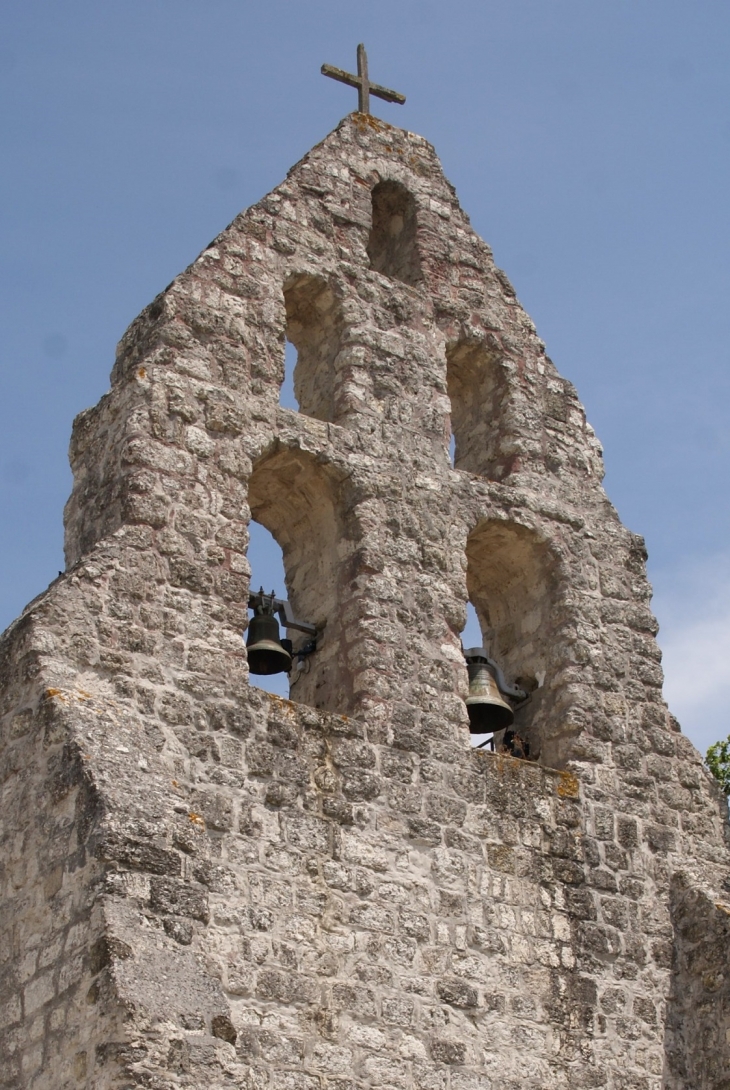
513	584
480	410
295	498
313	328
393	247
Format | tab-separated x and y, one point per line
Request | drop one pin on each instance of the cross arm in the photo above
341	75
356	81
387	94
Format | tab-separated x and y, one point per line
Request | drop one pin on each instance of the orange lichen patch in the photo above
285	705
568	787
142	372
64	695
367	121
196	819
419	166
505	762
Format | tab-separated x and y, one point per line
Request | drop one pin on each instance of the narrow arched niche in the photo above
480	410
294	497
513	583
393	245
314	327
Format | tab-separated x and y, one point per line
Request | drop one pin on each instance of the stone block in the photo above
168	895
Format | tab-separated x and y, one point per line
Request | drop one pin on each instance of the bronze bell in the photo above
267	654
487	708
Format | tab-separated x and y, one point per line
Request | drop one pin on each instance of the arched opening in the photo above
477	388
313	327
392	247
293	497
513	583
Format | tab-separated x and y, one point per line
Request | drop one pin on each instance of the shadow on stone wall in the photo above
480	408
313	325
393	246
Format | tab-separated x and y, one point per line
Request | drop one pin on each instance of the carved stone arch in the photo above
481	408
314	327
393	243
515	584
295	497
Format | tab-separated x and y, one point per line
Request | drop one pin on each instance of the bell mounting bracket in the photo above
263	604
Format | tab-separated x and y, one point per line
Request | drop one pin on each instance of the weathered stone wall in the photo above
698	1015
205	886
51	925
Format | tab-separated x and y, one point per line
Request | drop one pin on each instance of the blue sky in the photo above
589	143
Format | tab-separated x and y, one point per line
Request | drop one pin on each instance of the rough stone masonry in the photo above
204	886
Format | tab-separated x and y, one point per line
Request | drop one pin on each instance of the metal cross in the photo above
364	87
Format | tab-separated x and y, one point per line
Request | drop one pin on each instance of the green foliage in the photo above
718	762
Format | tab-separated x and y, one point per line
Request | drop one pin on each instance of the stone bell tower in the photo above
205	886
